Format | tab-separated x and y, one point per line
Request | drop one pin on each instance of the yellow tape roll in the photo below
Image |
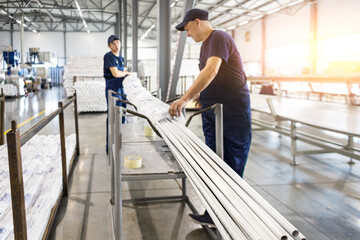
133	161
148	131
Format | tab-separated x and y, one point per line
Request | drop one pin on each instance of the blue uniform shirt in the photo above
110	60
230	82
229	88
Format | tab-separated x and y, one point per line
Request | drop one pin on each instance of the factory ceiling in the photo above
101	15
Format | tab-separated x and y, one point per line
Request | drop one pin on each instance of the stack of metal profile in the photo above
238	211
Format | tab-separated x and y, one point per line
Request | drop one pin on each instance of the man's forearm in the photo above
205	77
202	81
120	74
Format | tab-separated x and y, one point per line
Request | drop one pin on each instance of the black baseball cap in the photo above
112	38
191	15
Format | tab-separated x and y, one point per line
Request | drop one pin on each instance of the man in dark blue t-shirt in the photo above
114	73
221	80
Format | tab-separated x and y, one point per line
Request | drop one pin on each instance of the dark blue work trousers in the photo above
237	133
109	86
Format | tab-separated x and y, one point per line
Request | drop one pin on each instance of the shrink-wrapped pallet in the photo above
10	90
91	96
42	176
84	69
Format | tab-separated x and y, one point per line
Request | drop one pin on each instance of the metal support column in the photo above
12	36
124	43
219	130
293	143
120	24
63	149
117	168
135	13
189	4
117	24
65	56
313	38
263	45
164	43
22	40
16	183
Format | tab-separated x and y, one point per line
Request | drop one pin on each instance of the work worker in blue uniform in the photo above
114	74
221	80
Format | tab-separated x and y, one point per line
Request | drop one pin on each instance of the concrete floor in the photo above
321	196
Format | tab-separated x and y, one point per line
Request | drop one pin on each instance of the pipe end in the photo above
295	233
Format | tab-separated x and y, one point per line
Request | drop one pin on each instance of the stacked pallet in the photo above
42	176
91	96
84	69
10	90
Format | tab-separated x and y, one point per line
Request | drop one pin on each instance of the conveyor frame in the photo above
327	146
115	159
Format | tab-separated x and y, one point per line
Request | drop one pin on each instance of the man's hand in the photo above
197	102
175	108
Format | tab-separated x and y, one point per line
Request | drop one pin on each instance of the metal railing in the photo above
14	143
348	96
326	145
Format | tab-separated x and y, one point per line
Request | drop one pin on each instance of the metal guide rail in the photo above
14	143
292	131
159	164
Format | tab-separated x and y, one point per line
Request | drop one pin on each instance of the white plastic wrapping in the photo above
91	96
147	104
9	90
84	69
42	176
